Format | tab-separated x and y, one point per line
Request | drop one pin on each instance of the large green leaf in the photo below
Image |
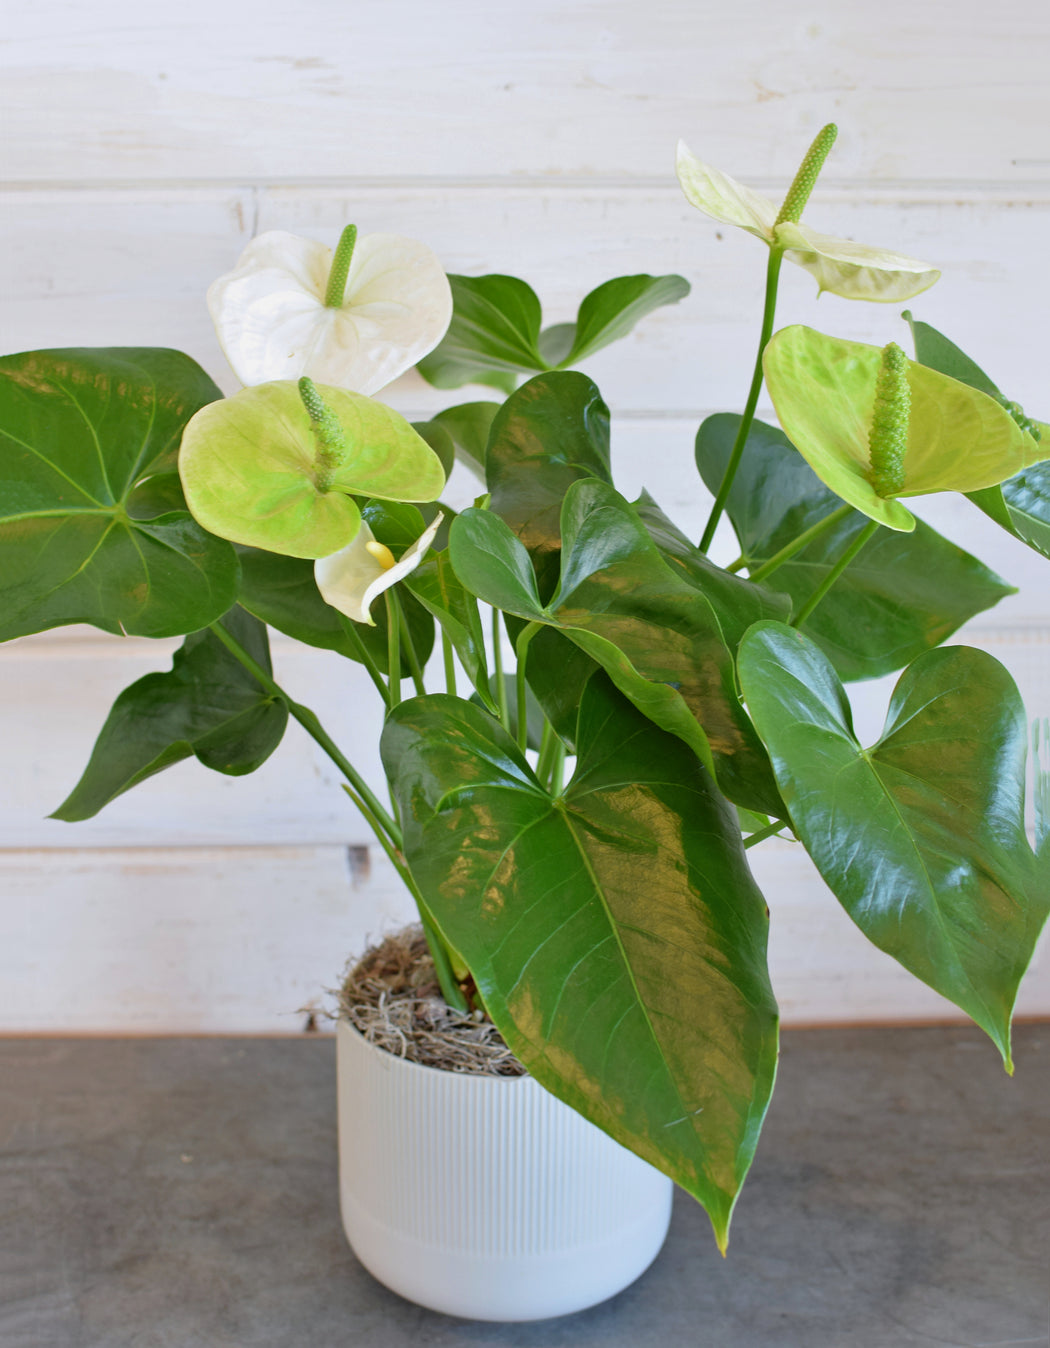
654	633
206	705
615	933
922	837
552	432
93	526
903	594
1021	504
495	336
958	438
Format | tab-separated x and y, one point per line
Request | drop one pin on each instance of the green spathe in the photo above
959	439
249	468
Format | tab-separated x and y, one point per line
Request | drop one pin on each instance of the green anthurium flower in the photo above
852	270
874	425
356	318
353	577
276	466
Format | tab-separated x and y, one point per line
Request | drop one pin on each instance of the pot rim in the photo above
488	1077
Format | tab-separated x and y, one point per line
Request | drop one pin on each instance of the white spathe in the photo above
353	577
852	270
273	323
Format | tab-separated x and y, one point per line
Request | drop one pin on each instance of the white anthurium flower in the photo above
353	577
355	318
852	270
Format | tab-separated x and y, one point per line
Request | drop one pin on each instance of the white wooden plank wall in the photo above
143	146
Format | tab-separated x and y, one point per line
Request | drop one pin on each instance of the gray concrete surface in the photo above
170	1193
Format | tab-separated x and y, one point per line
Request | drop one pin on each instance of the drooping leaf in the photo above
493	335
569	912
249	467
207	705
921	837
823	389
611	311
93	528
904	594
622	604
1021	504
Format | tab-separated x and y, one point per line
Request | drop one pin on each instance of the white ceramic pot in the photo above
486	1197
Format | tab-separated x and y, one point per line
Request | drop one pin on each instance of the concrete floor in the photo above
170	1193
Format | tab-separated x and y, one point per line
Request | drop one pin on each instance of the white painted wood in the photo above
233	90
143	148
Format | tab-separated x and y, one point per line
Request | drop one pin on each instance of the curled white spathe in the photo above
273	323
352	578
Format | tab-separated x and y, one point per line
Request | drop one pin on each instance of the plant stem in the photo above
548	748
768	313
767	832
450	663
408	645
833	575
354	637
797	544
393	647
313	727
521	646
497	666
450	989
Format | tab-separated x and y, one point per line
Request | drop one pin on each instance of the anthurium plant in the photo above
586	721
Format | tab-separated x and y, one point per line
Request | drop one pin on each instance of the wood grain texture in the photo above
143	148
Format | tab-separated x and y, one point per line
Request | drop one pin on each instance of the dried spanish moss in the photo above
391	996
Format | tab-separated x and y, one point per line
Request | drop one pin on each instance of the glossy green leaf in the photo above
249	468
469	424
921	837
93	528
207	705
823	389
904	594
570	912
611	311
622	604
1021	504
552	432
558	671
493	335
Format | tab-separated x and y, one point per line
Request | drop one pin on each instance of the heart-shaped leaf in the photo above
904	594
571	910
250	469
619	601
207	705
93	527
823	389
921	837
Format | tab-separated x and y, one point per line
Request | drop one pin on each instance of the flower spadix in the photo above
353	577
276	467
356	318
874	425
840	266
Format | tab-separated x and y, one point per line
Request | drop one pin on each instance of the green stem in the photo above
450	989
797	544
768	314
767	832
393	647
450	663
313	727
497	665
833	575
521	646
354	637
548	741
340	269
408	645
